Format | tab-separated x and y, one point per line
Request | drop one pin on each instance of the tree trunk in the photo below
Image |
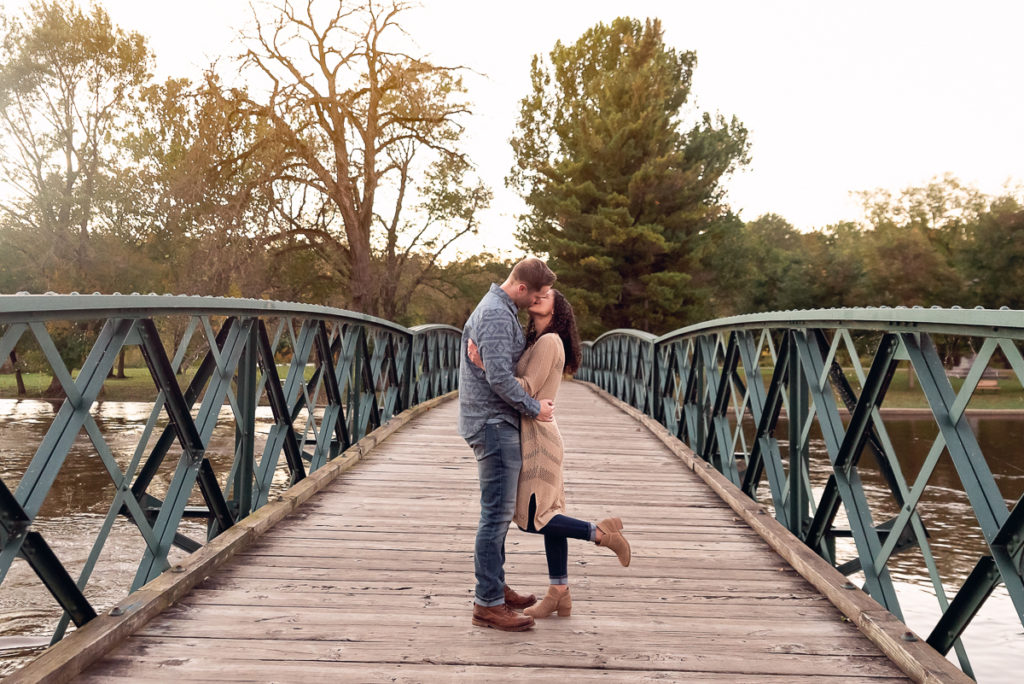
17	375
55	390
120	365
364	298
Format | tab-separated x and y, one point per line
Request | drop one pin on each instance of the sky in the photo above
837	97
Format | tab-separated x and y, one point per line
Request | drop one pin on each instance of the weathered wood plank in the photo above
167	664
475	649
696	568
391	603
348	617
373	592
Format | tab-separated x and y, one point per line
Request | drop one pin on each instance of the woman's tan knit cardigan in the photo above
540	373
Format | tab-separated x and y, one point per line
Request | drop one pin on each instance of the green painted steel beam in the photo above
968	601
955	321
851	490
55	577
245	427
279	406
765	455
77	307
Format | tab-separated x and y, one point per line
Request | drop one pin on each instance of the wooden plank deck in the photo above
372	580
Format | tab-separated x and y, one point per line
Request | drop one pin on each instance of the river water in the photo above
77	505
79	500
995	638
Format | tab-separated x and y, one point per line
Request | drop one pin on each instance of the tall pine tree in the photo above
622	200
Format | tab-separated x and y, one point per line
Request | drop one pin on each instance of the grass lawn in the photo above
138	386
1008	396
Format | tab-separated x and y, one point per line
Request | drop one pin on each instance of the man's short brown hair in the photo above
533	273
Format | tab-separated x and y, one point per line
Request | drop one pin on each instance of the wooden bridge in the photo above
364	572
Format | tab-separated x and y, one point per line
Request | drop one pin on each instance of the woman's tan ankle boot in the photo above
554	601
614	540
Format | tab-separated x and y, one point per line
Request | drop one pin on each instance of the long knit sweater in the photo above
540	373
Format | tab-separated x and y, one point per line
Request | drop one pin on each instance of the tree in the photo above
727	265
902	268
992	259
68	83
941	210
360	121
20	250
449	203
913	239
200	190
768	265
836	259
454	290
778	271
621	197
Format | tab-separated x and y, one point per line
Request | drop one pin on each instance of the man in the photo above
490	403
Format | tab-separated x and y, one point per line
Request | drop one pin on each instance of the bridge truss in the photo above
697	380
211	360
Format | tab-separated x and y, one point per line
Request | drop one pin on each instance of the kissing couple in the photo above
508	382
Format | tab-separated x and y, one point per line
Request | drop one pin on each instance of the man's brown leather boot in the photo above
501	617
518	601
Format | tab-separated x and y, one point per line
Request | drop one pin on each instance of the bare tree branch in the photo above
359	120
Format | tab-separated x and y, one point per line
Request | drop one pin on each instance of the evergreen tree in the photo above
623	199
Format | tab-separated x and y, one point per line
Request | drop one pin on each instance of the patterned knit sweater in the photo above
493	394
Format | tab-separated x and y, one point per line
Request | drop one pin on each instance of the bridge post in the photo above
656	385
799	466
245	433
409	378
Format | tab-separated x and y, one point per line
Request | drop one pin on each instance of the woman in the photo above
552	345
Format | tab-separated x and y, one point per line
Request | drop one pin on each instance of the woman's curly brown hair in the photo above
563	322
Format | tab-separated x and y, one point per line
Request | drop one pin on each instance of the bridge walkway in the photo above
371	580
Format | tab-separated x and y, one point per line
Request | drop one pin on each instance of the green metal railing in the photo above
347	374
698	380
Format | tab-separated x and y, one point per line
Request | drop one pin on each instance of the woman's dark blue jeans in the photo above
557	532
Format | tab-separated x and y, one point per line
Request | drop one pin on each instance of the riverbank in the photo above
137	385
1002	394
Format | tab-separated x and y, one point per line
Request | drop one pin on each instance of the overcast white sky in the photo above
837	97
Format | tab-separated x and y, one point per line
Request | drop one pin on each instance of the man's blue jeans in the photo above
499	459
